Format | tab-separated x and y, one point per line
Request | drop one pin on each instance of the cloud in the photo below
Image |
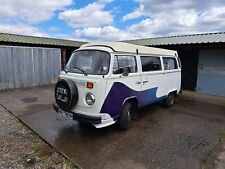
91	15
177	17
152	7
107	33
147	27
143	29
216	14
31	11
95	21
135	14
105	1
186	18
21	29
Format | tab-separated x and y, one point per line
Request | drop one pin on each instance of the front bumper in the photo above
97	121
81	117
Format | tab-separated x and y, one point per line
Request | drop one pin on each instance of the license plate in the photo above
66	114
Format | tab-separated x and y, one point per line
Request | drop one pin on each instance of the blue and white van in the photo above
105	83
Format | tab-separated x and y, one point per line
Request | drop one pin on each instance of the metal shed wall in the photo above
25	67
211	72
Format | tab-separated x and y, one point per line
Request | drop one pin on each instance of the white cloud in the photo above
21	29
177	17
135	14
147	27
186	17
105	1
107	33
91	15
95	22
216	14
31	11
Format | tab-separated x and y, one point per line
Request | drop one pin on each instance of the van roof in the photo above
130	48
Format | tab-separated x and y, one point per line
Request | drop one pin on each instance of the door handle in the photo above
138	82
145	81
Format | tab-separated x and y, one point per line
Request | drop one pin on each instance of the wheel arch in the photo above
132	99
173	91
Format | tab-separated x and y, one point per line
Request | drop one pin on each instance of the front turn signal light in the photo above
90	85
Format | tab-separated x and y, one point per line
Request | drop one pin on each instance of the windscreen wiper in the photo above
83	71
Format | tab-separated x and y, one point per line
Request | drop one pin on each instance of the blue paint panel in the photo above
211	72
120	92
211	84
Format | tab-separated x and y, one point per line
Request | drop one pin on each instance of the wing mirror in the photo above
124	71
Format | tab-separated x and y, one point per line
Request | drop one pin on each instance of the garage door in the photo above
25	67
211	72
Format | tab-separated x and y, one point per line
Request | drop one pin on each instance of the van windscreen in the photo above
92	62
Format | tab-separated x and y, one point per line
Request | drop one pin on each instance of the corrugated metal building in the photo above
31	61
202	57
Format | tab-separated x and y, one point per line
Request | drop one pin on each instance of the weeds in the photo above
209	155
69	164
37	148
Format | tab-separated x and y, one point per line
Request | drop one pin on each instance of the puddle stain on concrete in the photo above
29	99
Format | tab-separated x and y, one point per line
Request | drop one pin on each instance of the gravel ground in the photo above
215	159
22	148
220	155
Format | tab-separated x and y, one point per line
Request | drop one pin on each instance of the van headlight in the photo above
90	99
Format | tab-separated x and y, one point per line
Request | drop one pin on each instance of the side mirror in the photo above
125	71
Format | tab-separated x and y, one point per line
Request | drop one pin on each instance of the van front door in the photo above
120	86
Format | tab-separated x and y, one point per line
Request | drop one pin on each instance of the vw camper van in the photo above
106	83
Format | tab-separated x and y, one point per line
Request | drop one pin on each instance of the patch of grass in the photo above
69	164
42	151
209	155
205	160
37	148
223	135
45	157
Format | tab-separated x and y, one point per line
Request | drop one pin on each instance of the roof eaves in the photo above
4	37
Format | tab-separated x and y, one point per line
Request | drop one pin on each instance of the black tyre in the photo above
169	100
125	120
66	94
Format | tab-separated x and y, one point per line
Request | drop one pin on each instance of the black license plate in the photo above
66	114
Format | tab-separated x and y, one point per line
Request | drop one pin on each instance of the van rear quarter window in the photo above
169	63
150	63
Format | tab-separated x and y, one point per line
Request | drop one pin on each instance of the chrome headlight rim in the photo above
90	99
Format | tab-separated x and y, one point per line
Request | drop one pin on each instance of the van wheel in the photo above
169	100
125	120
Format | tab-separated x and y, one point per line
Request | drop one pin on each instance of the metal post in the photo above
63	57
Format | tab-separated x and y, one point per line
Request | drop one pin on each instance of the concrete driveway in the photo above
160	138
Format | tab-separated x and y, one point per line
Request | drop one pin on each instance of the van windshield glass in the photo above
93	62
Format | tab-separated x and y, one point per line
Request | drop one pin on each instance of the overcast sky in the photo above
111	19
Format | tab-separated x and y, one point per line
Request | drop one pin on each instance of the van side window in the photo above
169	63
123	61
150	63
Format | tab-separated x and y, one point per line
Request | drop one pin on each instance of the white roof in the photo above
130	48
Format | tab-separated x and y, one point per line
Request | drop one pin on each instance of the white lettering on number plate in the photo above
65	114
